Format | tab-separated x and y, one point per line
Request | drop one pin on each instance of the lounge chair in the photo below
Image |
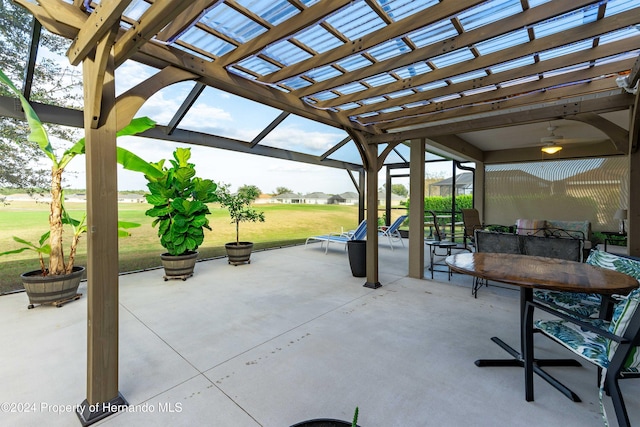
391	232
357	234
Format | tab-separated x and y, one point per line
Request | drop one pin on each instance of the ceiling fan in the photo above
552	142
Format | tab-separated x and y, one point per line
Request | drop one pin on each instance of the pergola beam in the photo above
302	20
590	90
618	135
538	68
219	78
400	28
186	19
518	116
101	21
523	93
65	29
538	45
456	146
521	20
151	22
214	141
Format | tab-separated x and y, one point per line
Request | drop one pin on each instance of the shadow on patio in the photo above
293	336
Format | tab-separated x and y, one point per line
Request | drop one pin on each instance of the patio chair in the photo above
358	234
471	221
391	232
438	242
610	345
583	305
493	242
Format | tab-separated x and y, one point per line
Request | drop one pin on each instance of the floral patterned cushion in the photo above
588	305
583	304
622	315
594	347
587	344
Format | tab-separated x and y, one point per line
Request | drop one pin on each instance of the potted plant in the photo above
57	281
179	201
329	422
239	207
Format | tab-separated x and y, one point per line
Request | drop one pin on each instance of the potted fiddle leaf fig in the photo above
57	281
179	199
239	207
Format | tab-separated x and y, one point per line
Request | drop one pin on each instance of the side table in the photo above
613	236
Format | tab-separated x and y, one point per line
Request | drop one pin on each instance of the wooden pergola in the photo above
421	73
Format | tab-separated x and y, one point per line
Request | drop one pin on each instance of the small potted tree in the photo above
179	201
239	207
57	281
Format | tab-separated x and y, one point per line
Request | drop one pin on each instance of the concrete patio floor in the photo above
290	337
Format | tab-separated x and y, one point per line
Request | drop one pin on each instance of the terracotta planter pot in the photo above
56	290
239	253
178	266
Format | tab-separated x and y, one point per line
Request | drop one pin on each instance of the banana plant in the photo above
58	217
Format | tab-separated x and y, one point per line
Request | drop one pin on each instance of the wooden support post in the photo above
416	210
103	397
372	217
633	209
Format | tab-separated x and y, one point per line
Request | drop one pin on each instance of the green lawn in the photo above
284	225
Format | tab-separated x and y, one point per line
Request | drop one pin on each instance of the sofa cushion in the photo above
581	229
530	226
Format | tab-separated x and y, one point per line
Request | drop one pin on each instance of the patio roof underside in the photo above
481	80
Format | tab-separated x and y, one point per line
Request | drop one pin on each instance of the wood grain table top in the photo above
542	273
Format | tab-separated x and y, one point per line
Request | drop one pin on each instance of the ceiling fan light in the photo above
551	149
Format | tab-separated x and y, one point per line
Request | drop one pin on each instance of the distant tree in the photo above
52	84
399	189
250	190
282	190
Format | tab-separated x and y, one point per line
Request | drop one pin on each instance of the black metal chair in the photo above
493	242
439	241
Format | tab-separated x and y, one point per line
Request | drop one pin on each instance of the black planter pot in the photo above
357	257
323	422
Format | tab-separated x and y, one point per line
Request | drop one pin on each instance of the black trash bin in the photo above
358	257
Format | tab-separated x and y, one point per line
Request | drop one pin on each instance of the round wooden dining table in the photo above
529	272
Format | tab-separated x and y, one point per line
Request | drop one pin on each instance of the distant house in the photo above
131	198
288	198
316	198
336	199
347	198
464	185
396	200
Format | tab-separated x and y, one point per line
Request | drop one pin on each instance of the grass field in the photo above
284	225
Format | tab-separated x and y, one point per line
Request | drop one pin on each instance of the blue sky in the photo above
223	114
